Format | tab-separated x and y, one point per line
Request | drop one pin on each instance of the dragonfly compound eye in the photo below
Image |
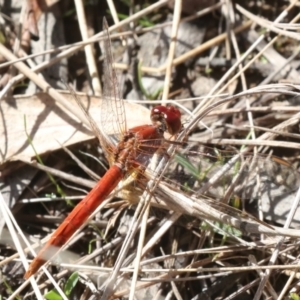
169	117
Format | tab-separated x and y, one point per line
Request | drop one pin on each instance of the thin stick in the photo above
90	59
113	11
176	21
139	252
253	46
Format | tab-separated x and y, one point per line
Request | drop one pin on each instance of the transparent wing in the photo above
226	175
259	183
112	114
92	122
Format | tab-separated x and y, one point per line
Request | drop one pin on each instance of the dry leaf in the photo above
48	125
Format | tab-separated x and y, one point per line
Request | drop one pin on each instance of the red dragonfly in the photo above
133	153
135	148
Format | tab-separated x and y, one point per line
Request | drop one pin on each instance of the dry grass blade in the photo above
212	213
88	49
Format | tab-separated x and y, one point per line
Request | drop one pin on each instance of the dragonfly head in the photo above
167	118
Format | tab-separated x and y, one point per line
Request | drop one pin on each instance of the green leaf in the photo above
294	296
53	295
68	288
182	160
71	283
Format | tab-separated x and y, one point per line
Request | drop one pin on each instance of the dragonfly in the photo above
131	151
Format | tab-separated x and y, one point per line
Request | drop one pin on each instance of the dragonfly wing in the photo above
112	111
241	175
269	179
